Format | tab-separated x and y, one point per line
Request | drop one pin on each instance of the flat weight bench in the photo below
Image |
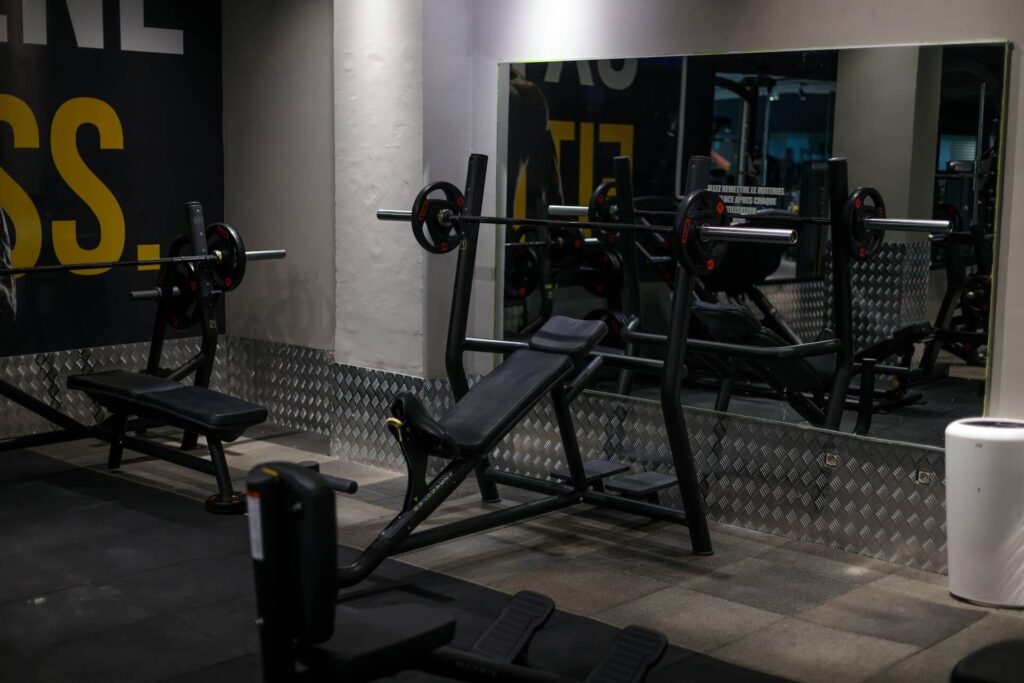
199	410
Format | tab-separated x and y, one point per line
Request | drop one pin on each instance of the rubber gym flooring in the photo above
124	577
105	579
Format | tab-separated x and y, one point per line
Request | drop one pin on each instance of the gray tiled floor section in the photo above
788	608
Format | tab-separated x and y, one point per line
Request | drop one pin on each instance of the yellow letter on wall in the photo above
28	229
63	145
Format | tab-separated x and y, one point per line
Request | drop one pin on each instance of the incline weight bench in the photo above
293	532
195	409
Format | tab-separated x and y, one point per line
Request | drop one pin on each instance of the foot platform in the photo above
632	654
641	484
507	638
593	470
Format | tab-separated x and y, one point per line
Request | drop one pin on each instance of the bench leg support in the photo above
119	424
226	501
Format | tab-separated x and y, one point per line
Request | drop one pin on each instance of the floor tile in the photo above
700	668
149	650
186	585
480	558
582	586
884	614
232	621
665	553
770	587
690	619
129	553
18	668
821	559
936	663
38	623
801	651
931	587
362	474
244	669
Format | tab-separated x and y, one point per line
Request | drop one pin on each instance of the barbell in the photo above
226	254
864	212
699	235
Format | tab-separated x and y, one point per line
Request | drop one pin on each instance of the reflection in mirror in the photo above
885	334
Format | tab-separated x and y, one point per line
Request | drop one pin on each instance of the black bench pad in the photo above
497	402
193	408
570	336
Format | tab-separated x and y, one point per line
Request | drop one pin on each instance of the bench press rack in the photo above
156	397
559	360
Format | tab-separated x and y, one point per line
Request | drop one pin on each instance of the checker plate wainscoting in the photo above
298	385
44	376
871	497
894	281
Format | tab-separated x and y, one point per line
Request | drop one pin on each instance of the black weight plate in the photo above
602	273
230	269
977	295
431	225
864	241
693	251
522	272
182	311
604	208
566	246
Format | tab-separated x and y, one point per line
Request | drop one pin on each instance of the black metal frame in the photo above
424	498
114	430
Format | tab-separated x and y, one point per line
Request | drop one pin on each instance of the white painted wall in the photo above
589	29
378	163
876	114
279	166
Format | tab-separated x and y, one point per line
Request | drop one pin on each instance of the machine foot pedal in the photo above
641	484
632	654
510	634
593	470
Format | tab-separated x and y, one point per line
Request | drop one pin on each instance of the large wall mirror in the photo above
923	125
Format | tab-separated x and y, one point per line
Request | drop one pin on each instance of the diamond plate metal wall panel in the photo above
871	497
889	291
44	376
364	400
298	385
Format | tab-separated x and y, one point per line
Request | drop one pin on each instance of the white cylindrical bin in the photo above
985	510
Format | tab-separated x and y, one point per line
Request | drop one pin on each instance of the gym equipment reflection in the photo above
923	125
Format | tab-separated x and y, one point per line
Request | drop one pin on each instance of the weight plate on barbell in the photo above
181	311
566	247
230	269
864	240
602	273
522	272
693	251
976	295
604	208
431	223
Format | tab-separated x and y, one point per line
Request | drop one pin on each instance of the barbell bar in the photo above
447	219
215	257
884	224
718	233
